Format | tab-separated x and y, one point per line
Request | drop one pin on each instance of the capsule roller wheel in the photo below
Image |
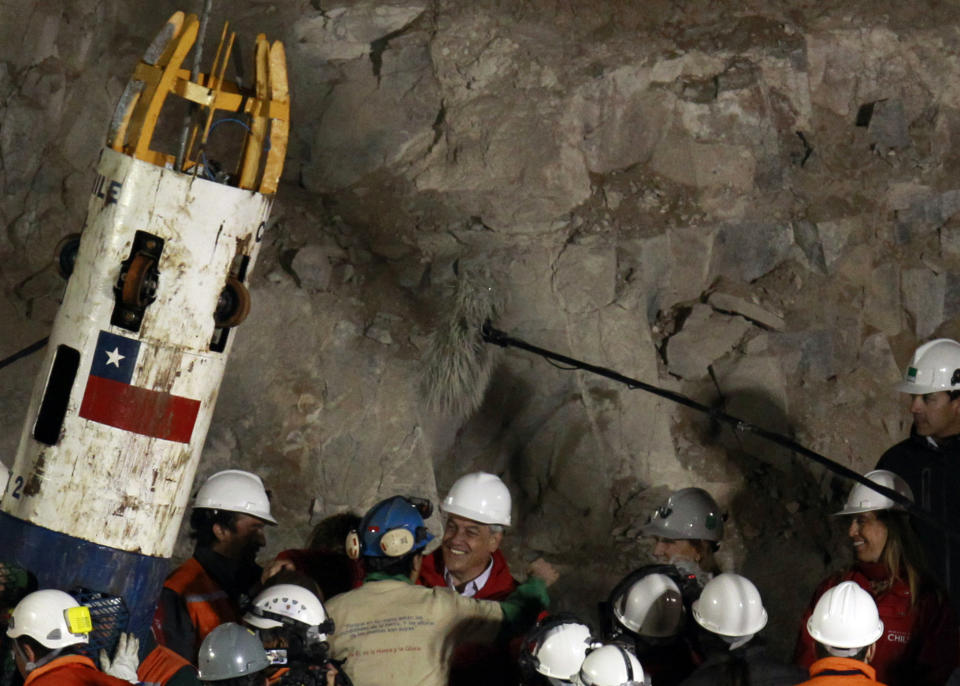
136	283
233	306
65	254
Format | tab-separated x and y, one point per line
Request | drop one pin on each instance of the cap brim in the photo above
856	510
915	388
260	622
650	529
473	515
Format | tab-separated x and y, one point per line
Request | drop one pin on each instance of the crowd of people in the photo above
378	601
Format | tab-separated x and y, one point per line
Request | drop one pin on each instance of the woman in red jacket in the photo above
919	645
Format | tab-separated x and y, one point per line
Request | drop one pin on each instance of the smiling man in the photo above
469	558
929	460
469	562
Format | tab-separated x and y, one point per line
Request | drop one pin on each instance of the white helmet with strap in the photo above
234	490
557	646
52	618
651	606
935	367
845	618
864	499
481	497
291	605
610	665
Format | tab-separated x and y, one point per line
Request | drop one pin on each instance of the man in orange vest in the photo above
47	627
845	624
229	515
160	667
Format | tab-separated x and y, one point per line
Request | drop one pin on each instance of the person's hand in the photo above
275	568
125	659
542	569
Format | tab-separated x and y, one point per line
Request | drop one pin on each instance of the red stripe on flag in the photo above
140	410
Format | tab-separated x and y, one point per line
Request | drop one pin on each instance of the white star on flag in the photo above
114	357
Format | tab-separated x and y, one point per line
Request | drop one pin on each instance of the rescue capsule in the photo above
127	388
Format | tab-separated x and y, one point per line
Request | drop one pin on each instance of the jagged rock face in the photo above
754	204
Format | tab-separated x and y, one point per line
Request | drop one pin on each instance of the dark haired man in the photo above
929	460
228	520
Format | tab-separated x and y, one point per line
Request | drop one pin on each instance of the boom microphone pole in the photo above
494	336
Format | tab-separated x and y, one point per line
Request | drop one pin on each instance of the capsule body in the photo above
129	381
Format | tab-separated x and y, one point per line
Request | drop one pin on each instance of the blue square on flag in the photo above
115	357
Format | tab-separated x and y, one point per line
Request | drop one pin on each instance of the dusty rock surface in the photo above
752	203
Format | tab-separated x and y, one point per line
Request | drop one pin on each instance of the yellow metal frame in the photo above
267	106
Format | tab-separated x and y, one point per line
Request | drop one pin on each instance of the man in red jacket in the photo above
469	558
47	627
469	562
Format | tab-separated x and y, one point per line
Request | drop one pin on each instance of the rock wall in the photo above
751	203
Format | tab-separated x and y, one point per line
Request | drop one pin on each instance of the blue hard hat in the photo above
393	528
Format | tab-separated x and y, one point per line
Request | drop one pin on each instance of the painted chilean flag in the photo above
110	398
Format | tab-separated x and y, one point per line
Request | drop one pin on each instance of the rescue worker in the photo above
920	643
648	611
469	562
929	460
231	655
554	649
47	628
165	667
228	519
610	665
293	625
392	631
845	626
15	583
160	667
730	613
687	529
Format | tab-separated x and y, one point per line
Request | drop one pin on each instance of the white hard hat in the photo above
845	617
690	513
610	665
481	497
234	490
730	605
865	499
230	651
558	645
935	367
52	618
652	607
291	605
